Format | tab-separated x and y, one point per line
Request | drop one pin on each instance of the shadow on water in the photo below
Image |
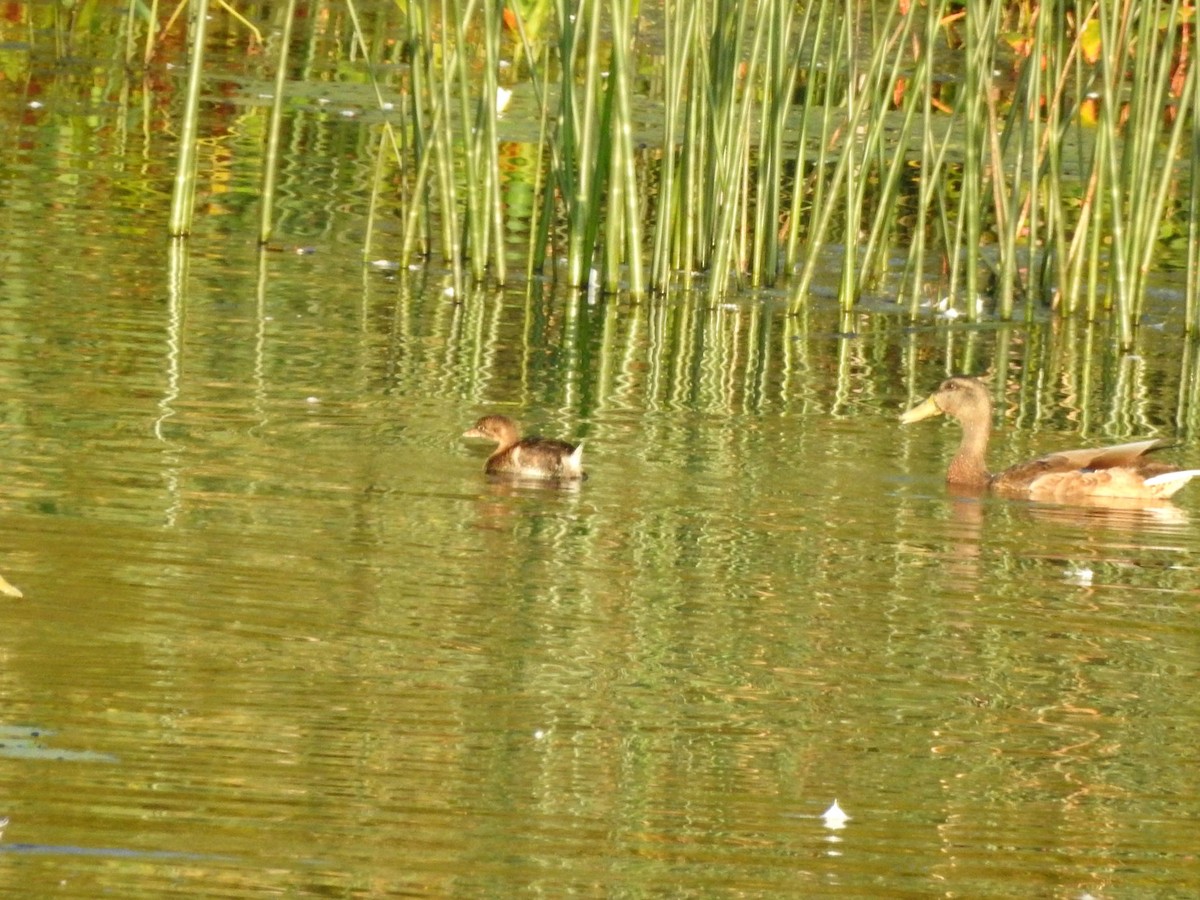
18	742
112	852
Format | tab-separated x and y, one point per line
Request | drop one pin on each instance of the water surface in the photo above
280	633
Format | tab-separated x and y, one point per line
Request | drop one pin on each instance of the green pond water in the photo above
280	635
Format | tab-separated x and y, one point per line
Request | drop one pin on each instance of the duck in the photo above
1118	472
530	457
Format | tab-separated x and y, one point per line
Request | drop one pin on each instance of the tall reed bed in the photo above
1014	156
1001	157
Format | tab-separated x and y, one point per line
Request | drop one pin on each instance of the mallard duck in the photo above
531	457
1120	471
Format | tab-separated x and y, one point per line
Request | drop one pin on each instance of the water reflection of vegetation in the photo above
1002	154
578	360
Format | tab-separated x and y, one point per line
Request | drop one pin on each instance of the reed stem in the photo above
183	198
274	128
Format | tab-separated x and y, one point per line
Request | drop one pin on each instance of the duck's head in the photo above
960	397
500	429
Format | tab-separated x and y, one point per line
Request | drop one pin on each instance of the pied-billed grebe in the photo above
531	457
1121	471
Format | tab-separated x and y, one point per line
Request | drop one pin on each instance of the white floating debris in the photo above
36	104
388	265
317	400
503	95
835	817
1079	575
950	313
538	734
387	106
593	286
348	113
448	293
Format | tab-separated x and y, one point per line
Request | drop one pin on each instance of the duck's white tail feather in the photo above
574	462
1175	479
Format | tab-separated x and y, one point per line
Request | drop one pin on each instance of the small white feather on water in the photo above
835	817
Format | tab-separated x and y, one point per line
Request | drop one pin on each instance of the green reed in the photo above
415	171
1053	283
579	136
779	78
274	129
812	141
814	28
678	33
1192	282
886	78
543	212
729	110
1129	150
681	210
432	154
183	197
626	184
477	124
980	41
930	162
1154	181
863	178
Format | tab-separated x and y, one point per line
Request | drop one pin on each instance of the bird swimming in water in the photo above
531	457
1120	472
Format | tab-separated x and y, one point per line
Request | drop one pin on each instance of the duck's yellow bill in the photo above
921	411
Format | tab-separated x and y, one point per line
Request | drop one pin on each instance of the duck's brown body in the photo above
531	457
1121	471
